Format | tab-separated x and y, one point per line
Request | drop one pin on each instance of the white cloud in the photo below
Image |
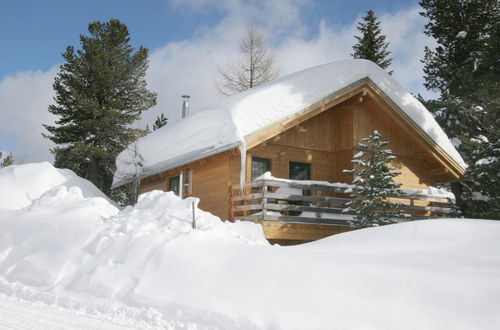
24	98
190	66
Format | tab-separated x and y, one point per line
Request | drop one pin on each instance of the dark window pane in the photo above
260	166
173	184
300	171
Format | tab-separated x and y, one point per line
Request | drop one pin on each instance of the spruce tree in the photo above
371	44
160	121
482	192
373	184
464	70
8	160
100	90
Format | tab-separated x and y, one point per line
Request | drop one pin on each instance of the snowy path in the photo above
21	314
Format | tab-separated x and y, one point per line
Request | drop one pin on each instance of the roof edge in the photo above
337	97
310	111
177	162
460	171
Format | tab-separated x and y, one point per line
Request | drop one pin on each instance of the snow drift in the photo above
82	252
21	184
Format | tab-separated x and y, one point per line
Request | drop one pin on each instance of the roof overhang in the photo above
185	159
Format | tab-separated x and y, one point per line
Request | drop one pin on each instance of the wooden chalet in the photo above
313	138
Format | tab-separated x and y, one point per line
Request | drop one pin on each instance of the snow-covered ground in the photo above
71	259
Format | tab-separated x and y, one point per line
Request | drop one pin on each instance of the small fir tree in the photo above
371	44
160	121
8	160
100	90
373	184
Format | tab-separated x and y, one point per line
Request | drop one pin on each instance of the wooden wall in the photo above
325	141
210	182
414	161
329	140
211	185
156	182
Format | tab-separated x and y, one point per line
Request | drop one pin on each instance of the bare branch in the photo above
254	68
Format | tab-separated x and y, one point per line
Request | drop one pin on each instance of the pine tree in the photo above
255	67
160	121
481	194
100	90
8	160
371	44
373	184
464	70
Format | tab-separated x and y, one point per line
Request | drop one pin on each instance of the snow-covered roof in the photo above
224	125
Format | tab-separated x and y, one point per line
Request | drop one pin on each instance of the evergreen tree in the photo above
100	90
373	184
255	67
8	160
481	194
160	121
371	44
464	70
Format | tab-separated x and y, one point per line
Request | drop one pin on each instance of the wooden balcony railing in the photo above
297	201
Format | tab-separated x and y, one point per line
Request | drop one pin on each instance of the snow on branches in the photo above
374	184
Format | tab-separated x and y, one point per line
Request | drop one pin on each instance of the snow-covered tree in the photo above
374	184
100	90
254	68
464	70
482	188
371	43
160	121
132	169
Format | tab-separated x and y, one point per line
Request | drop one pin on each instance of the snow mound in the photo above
63	235
224	125
21	184
147	263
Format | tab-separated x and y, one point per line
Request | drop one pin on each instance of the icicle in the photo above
243	167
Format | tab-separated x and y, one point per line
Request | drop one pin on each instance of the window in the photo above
300	171
260	166
174	184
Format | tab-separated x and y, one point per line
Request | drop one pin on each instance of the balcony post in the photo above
264	200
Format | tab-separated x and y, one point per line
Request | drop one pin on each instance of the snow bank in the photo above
147	263
21	184
225	124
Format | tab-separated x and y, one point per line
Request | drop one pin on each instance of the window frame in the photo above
309	169
260	159
305	192
171	180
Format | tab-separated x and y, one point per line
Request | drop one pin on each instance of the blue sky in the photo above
187	40
35	33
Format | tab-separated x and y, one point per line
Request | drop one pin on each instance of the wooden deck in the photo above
304	211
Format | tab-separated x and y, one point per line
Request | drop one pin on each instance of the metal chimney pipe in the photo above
185	106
